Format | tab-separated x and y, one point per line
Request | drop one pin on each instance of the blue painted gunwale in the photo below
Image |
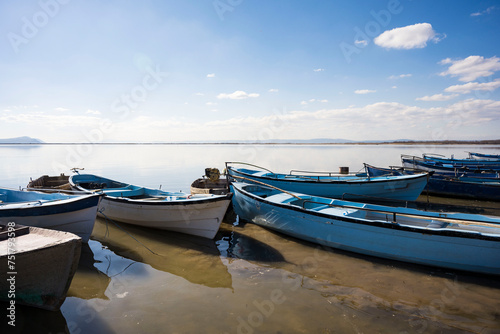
42	204
120	192
449	169
461	162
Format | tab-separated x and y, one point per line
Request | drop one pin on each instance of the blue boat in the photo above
199	214
478	188
483	156
449	240
56	211
460	162
403	187
410	161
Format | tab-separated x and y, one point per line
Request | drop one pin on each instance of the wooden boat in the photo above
57	211
199	215
37	266
404	187
210	183
50	182
450	240
207	186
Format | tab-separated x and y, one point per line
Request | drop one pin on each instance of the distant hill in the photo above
21	140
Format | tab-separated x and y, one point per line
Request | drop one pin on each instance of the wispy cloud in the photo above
273	90
471	68
319	70
93	112
470	86
211	75
61	109
237	95
364	91
484	12
400	76
361	42
437	97
410	37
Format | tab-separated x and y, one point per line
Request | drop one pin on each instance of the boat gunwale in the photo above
374	223
20	209
363	180
187	201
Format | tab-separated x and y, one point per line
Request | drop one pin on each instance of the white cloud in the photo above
437	97
211	104
364	91
361	42
410	37
471	68
486	11
319	70
470	86
211	75
237	95
315	100
93	112
273	90
61	109
400	76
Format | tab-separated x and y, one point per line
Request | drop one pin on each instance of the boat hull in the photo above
448	249
76	215
408	187
196	217
455	187
45	262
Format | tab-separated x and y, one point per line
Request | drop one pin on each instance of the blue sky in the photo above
105	71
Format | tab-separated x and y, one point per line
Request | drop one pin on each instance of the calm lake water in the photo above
248	279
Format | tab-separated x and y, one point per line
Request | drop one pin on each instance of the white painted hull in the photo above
198	217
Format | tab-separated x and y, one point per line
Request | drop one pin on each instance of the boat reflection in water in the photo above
89	282
195	259
362	287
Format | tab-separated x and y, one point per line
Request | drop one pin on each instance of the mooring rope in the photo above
106	218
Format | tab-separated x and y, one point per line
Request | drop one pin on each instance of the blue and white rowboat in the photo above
199	215
68	213
450	240
402	187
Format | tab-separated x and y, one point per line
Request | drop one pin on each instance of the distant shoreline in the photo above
446	142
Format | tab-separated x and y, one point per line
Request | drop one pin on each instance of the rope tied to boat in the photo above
106	218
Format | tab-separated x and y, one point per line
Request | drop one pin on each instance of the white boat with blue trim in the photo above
57	211
199	214
458	241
